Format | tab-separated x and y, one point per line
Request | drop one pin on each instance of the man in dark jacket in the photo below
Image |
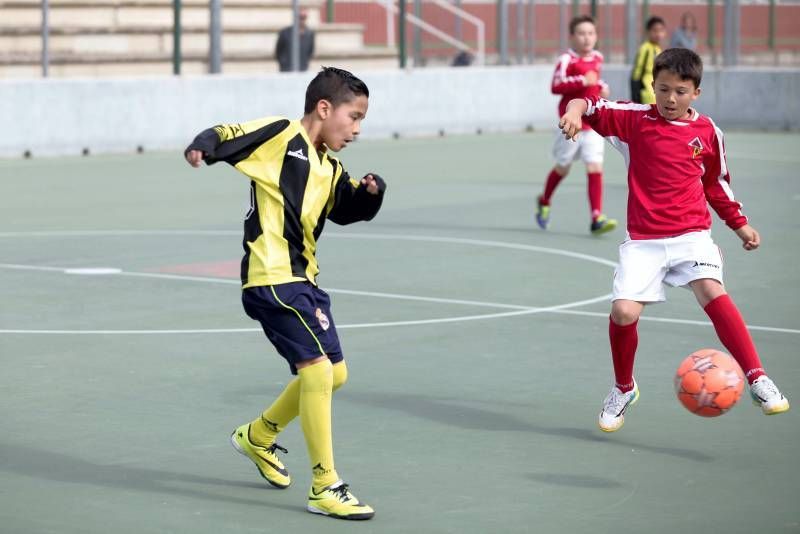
283	48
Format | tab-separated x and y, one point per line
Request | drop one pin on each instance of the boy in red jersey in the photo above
676	165
577	75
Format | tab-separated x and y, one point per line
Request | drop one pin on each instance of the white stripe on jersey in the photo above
722	163
723	166
602	103
622	148
563	63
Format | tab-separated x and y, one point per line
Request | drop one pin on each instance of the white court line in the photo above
521	310
117	233
762	157
680	321
479	242
131	332
379	237
18	267
342	291
524	311
188	278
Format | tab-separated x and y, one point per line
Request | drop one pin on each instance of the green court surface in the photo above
477	348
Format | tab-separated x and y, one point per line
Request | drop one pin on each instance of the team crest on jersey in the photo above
323	319
697	147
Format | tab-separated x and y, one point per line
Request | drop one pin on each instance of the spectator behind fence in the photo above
642	74
283	48
686	35
463	59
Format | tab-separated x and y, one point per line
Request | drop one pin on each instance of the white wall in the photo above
64	116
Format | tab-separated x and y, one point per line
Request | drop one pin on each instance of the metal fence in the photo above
728	32
464	32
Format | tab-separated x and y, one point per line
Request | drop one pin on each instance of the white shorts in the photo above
646	265
589	147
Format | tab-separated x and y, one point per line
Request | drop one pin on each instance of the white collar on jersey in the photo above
685	122
590	55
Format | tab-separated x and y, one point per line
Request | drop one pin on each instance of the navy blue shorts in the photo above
297	319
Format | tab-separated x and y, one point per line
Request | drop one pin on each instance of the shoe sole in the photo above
610	430
241	451
542	222
351	517
609	227
783	408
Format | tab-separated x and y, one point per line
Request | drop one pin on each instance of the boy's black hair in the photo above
652	21
682	62
334	85
580	19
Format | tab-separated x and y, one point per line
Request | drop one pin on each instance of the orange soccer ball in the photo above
709	382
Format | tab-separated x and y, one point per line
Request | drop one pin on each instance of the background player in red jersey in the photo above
577	75
676	166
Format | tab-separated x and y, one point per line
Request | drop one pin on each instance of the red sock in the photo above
624	340
553	179
733	333
595	187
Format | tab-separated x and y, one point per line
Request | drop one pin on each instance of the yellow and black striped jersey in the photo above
642	73
293	189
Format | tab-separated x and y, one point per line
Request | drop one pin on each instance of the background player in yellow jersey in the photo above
642	73
295	185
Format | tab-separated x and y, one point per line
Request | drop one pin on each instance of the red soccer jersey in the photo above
570	74
675	168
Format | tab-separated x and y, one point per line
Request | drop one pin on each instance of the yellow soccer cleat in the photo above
337	501
265	458
542	214
603	225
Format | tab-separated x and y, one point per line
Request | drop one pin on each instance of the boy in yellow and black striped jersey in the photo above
642	74
295	185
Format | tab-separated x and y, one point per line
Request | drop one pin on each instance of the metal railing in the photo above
417	21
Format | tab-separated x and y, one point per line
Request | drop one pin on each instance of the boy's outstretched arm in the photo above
749	236
354	201
572	121
194	157
371	183
232	142
203	146
716	186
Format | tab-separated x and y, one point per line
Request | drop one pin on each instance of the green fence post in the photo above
771	38
401	34
712	30
176	37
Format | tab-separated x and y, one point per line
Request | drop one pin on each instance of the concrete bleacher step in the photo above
27	65
152	39
134	37
111	13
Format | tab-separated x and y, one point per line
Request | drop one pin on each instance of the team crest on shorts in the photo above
697	147
323	319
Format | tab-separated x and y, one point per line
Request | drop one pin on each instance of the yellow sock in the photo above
286	407
316	388
339	374
266	428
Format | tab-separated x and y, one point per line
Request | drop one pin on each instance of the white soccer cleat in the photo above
612	417
767	395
